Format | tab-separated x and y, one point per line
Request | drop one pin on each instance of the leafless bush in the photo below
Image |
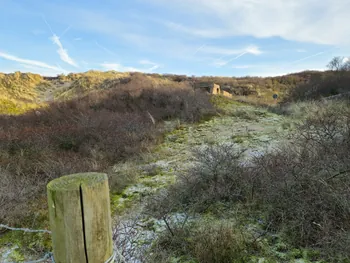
217	177
306	185
89	134
331	84
219	242
130	240
203	241
303	187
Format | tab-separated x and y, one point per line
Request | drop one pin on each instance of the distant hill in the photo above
22	91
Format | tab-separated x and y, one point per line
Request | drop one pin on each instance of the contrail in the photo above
284	67
48	25
311	56
199	49
63	53
223	63
65	31
242	54
314	55
105	49
29	62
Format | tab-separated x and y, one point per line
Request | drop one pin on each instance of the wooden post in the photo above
80	218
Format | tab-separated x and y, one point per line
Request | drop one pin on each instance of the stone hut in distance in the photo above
213	88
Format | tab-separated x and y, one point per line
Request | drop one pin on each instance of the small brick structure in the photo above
213	88
226	94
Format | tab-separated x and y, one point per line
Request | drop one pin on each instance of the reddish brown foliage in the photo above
89	134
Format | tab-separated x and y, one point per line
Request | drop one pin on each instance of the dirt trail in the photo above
252	129
48	94
245	127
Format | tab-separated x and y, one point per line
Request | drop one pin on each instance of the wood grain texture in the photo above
80	220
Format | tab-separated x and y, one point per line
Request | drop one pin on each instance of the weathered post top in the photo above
80	220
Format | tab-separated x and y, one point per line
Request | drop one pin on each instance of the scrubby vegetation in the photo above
19	91
298	192
91	133
24	91
334	82
284	205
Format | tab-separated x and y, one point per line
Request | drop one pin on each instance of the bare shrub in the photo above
205	241
302	188
330	84
217	177
89	134
220	242
305	186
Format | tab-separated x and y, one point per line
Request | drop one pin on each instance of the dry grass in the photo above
205	241
302	188
89	134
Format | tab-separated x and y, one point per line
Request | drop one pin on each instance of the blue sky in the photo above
193	37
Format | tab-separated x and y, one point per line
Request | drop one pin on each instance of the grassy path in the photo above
245	127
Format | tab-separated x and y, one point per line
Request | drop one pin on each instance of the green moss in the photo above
121	202
224	103
26	241
206	117
241	138
72	182
17	256
296	253
237	138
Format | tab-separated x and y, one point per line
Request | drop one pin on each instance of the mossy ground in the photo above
159	168
175	155
19	246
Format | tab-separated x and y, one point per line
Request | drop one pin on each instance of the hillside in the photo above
22	91
19	91
182	163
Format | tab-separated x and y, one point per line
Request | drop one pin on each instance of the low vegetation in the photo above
288	204
19	91
91	133
300	192
331	83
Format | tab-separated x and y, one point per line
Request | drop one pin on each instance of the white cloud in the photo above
253	50
322	22
63	53
122	68
206	33
118	67
31	63
230	51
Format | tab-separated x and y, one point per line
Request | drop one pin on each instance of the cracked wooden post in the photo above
80	218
